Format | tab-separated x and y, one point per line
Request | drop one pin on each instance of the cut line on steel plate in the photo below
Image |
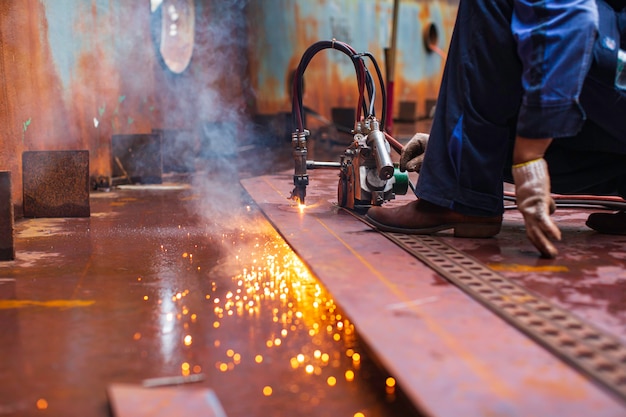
591	351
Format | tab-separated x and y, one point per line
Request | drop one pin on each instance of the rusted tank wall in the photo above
63	66
284	29
75	72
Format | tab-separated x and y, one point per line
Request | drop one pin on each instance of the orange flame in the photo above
301	206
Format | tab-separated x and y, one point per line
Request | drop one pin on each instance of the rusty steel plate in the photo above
598	354
450	354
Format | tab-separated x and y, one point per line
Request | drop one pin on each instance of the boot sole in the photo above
467	230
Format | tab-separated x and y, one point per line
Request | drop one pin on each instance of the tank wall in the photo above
284	29
76	72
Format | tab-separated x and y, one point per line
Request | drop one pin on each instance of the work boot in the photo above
608	223
420	217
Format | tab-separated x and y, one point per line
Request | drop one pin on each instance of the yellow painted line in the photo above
527	268
519	299
480	369
11	304
280	193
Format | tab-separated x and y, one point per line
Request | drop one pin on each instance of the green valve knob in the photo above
401	184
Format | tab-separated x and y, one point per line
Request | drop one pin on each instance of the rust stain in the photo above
556	388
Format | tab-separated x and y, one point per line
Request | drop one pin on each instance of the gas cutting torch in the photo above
367	175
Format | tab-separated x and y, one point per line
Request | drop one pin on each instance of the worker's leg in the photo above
474	124
594	161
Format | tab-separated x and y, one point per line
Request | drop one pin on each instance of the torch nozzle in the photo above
298	193
300	177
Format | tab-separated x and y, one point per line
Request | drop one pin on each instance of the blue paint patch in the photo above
63	16
63	42
417	64
277	45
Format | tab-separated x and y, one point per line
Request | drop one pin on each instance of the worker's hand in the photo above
532	191
412	154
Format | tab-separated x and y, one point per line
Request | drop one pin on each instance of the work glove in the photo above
532	192
412	155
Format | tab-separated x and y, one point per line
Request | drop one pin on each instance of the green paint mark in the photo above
102	109
25	128
12	304
130	120
121	98
26	124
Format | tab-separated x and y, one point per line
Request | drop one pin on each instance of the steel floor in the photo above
450	354
184	279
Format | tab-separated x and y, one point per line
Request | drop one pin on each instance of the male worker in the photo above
528	85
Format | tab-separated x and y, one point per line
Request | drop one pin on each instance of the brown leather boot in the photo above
608	223
423	218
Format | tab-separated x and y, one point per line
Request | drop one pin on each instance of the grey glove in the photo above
412	155
532	191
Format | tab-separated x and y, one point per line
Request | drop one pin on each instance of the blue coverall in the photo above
538	69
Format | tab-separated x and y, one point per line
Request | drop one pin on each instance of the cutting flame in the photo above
301	206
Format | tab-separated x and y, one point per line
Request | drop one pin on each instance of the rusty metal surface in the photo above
588	277
283	30
7	249
439	343
56	183
75	72
597	354
159	282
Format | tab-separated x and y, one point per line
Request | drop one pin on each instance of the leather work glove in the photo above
412	155
532	192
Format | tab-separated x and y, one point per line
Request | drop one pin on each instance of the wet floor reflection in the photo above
145	289
268	338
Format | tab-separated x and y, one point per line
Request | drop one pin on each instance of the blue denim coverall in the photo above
538	69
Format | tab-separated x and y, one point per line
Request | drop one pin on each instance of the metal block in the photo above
7	250
56	183
407	111
137	158
137	401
